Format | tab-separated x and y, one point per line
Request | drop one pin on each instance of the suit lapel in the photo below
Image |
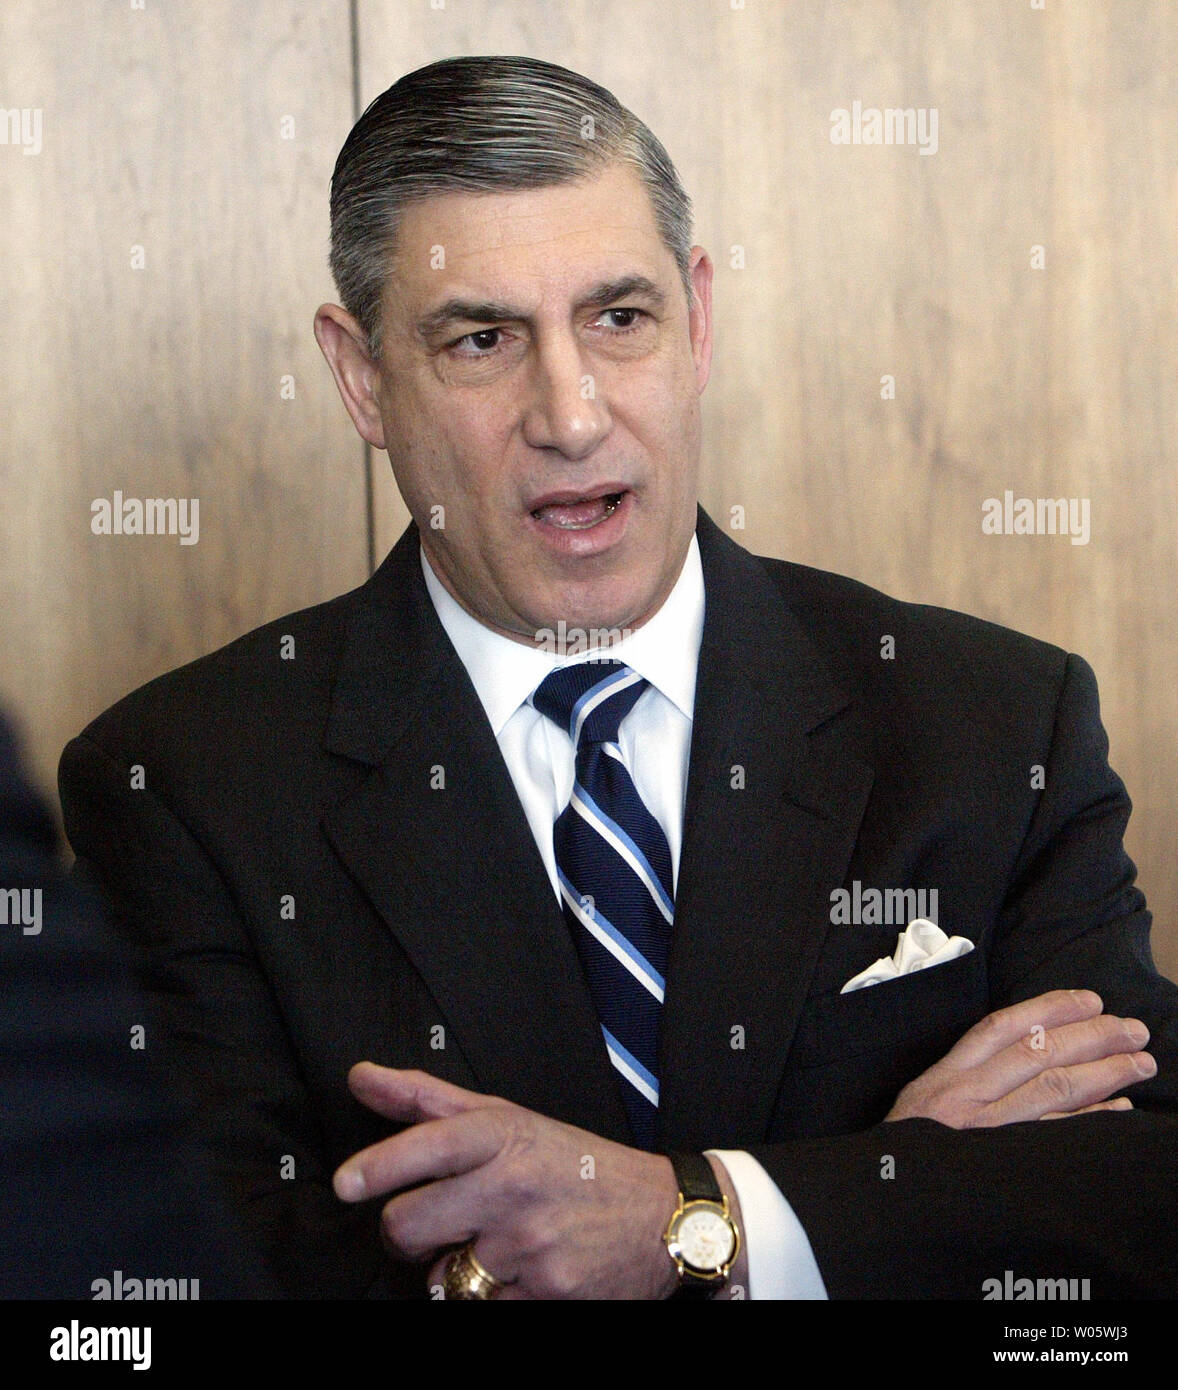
774	802
456	876
453	869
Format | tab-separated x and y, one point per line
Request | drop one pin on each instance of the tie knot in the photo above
589	700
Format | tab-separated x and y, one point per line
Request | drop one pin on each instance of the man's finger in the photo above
1069	1089
411	1095
1005	1026
433	1149
1121	1103
1057	1049
449	1212
442	1214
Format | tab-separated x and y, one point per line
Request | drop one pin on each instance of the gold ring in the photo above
468	1278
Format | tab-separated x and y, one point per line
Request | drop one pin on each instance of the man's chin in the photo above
578	627
609	605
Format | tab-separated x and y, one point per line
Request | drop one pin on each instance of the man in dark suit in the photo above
387	829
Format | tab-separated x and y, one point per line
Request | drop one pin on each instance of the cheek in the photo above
661	408
472	431
447	454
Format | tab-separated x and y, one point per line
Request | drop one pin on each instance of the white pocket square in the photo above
921	944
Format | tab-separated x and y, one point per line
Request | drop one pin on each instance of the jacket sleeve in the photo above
216	1030
917	1209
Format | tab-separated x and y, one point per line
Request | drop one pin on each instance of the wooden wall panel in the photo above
162	128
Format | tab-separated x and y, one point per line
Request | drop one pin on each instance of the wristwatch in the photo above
701	1237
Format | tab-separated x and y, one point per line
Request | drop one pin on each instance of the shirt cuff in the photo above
781	1262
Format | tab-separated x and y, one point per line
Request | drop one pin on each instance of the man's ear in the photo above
345	345
700	314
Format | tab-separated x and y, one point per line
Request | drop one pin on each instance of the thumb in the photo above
411	1096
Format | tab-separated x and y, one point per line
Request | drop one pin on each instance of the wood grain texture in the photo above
163	129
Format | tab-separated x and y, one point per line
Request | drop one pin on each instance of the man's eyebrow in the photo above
625	287
496	311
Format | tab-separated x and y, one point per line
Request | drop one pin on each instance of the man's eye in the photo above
484	342
630	318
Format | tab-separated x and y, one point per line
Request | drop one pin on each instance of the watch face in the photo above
705	1238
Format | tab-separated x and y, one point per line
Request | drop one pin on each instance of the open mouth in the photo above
580	513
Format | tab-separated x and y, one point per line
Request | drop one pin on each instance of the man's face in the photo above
540	383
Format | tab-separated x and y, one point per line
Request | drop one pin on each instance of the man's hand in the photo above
1044	1059
554	1211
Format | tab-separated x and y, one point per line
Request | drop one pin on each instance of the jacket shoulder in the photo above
286	664
877	640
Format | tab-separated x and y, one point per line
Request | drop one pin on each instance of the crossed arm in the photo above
474	1168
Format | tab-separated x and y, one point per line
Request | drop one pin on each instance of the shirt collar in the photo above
665	649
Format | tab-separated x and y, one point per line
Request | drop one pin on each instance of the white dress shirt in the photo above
655	742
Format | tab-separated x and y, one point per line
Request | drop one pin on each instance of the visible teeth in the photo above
610	503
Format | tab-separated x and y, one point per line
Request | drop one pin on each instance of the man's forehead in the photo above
592	230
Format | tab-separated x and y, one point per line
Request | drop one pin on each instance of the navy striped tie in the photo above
614	868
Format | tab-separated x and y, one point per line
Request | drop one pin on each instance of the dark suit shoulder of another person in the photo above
95	1177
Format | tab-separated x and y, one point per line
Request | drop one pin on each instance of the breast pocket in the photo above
938	1003
854	1053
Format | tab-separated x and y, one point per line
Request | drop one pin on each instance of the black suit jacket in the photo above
307	898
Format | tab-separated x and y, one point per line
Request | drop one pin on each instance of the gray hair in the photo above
482	125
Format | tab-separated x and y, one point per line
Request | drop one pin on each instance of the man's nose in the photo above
564	411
